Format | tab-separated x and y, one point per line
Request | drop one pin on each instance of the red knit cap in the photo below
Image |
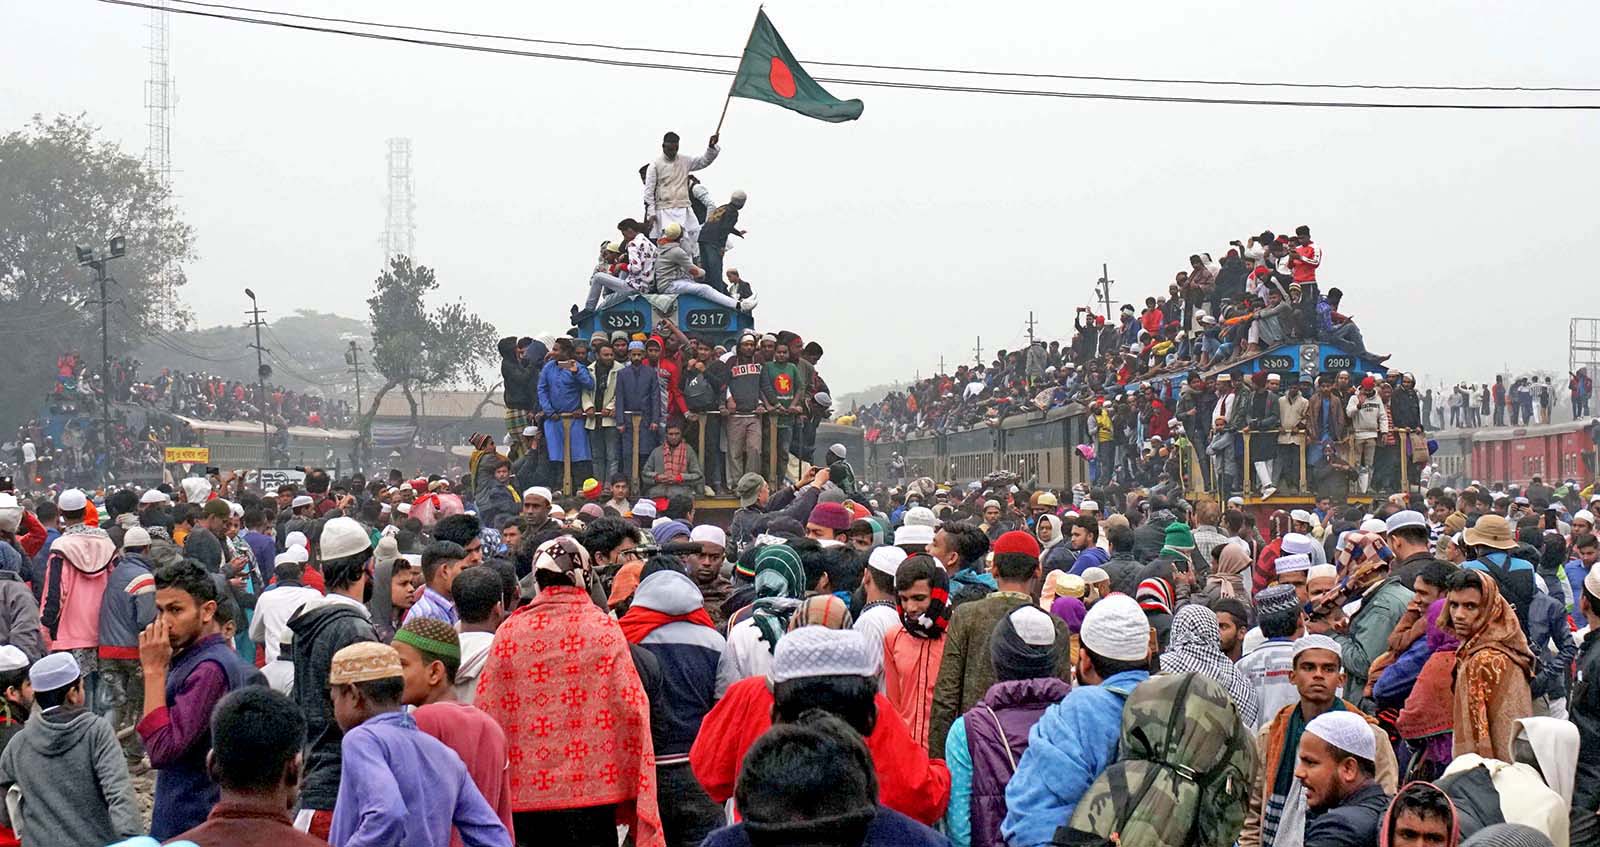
832	516
1017	541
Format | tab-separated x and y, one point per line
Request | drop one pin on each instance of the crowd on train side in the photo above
395	660
197	395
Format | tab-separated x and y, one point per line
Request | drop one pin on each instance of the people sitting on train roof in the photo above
664	267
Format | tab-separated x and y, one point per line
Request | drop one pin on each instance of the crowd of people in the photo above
197	395
415	661
1525	400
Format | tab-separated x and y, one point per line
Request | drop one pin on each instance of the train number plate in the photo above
627	321
708	319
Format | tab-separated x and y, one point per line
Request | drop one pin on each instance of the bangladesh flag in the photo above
769	72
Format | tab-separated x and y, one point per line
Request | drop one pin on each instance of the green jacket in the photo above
1368	635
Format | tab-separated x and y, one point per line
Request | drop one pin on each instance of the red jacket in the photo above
31	534
908	781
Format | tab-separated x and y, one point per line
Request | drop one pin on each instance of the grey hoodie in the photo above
74	780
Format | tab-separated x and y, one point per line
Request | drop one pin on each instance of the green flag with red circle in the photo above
769	72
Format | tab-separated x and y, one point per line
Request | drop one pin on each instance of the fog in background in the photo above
1463	240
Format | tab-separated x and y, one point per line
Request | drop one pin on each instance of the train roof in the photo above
1507	433
254	427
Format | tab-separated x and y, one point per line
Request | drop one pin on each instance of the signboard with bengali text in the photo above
190	455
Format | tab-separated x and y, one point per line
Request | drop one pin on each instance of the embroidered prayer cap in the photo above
1117	628
1347	731
1297	542
1294	563
1277	600
364	661
56	670
430	635
813	651
1316	641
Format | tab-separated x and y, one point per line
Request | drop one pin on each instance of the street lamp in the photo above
87	257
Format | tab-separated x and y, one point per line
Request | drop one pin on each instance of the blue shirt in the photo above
432	604
400	787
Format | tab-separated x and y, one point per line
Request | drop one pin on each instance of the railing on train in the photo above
1247	466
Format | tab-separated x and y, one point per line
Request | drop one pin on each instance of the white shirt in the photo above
474	652
1266	669
280	677
745	655
875	623
274	608
30	453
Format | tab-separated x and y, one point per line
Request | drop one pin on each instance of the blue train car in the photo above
694	315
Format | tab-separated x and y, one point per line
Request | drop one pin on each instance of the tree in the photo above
61	186
415	348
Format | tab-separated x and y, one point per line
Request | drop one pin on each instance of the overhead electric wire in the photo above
909	68
876	83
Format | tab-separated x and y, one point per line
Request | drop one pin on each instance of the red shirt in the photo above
1307	257
481	744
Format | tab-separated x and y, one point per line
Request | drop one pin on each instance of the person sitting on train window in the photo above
676	273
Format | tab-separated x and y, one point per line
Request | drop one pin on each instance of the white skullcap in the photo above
1094	575
1296	542
1116	628
404	508
1235	501
886	559
1374	525
813	651
296	539
920	516
301	501
1322	572
1300	515
57	670
1292	563
1591	580
384	509
529	431
1089	506
293	555
914	534
1034	626
235	510
153	496
1317	642
1347	731
1407	517
538	491
135	537
1584	515
644	508
72	500
343	537
708	534
661	521
12	658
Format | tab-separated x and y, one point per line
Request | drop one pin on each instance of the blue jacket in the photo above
638	390
1092	557
688	654
1068	748
1394	684
888	829
1575	572
562	391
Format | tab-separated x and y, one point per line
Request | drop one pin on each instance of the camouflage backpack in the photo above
1183	772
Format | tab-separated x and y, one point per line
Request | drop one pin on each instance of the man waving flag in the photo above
769	72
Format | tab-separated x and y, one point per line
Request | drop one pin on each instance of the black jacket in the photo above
1151	536
1353	823
521	376
321	630
1584	707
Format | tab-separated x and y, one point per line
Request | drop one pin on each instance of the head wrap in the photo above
1195	646
1497	629
1232	561
1155	595
822	610
1055	531
780	583
1116	628
563	555
1025	645
1071	611
813	651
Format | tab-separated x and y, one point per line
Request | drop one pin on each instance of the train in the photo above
693	314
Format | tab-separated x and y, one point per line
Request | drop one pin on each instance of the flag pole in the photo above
729	99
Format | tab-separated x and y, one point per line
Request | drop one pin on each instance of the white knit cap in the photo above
1374	525
1116	628
538	491
886	559
708	534
1292	563
1089	506
1296	542
296	539
644	508
1347	731
813	651
293	555
343	537
1591	581
919	516
1301	515
72	500
136	537
914	534
57	670
153	496
1316	641
1584	515
301	501
12	658
1034	626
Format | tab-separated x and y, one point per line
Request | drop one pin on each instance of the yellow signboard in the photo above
194	455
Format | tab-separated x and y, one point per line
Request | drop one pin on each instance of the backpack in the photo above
698	393
1184	770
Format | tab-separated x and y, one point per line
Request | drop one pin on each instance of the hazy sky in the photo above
1463	240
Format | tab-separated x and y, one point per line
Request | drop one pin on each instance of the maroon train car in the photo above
1553	452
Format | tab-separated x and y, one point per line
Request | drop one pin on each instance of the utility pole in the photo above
117	247
1103	288
941	364
1031	323
261	377
352	357
977	352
